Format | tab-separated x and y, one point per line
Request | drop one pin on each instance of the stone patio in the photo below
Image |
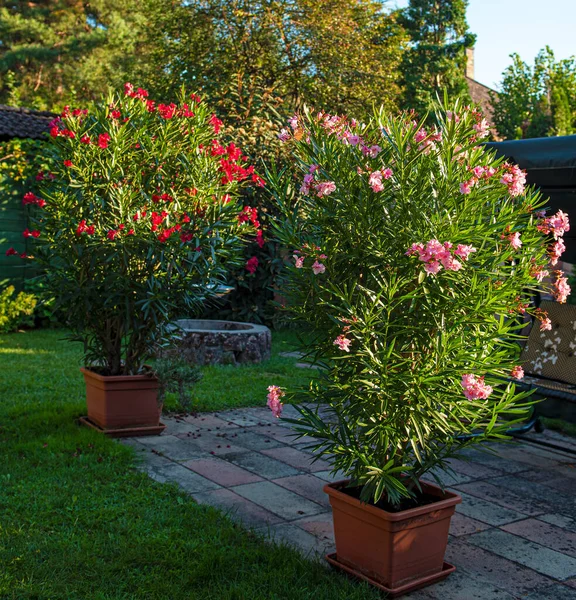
513	536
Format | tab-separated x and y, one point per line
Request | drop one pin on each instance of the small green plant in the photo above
177	376
15	312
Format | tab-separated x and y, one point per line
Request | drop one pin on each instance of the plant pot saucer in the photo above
124	432
415	584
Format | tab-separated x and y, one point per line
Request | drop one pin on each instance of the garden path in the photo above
513	536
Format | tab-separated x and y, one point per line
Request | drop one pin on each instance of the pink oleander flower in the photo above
274	396
420	135
293	122
464	251
432	267
352	139
560	288
375	181
298	261
386	173
466	186
514	239
284	135
546	324
517	373
557	225
482	128
555	251
318	268
325	188
538	273
515	179
343	343
475	388
373	151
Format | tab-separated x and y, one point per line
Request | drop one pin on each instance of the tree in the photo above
436	60
538	100
55	52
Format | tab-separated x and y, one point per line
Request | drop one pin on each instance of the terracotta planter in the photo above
122	406
400	551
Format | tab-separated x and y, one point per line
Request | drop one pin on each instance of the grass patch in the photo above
78	521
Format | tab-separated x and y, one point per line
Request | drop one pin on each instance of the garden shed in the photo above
551	165
24	124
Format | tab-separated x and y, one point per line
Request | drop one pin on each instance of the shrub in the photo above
138	221
176	375
415	252
15	312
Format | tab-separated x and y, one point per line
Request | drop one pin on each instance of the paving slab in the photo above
221	472
238	508
297	537
210	443
189	481
461	525
530	554
264	466
502	497
308	486
320	525
173	447
278	500
549	498
471	469
487	512
548	535
298	459
494	570
208	421
563	521
247	438
554	592
461	586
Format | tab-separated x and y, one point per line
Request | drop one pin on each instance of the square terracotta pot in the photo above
392	548
122	402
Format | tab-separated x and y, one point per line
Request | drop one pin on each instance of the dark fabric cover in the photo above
23	123
551	165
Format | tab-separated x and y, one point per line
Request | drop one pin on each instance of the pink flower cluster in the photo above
322	188
560	288
343	343
437	255
517	373
313	251
376	177
274	396
475	388
478	173
427	141
545	322
514	178
556	225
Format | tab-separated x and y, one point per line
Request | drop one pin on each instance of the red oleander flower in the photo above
27	233
252	265
112	233
68	163
11	252
103	140
85	139
216	123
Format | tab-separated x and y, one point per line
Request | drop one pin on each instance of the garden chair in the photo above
549	362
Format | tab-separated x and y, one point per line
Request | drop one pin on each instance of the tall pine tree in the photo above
436	61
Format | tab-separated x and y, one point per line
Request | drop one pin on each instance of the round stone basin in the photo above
207	342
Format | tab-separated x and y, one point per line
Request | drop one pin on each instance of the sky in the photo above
503	27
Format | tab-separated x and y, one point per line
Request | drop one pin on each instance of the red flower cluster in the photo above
83	228
167	111
252	265
30	198
165	197
34	233
68	163
216	123
139	93
249	215
157	219
103	140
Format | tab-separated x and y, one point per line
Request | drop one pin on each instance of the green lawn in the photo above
77	521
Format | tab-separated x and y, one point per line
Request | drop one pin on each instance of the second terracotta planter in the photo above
401	551
125	405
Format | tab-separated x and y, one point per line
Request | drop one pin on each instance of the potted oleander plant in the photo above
137	221
415	253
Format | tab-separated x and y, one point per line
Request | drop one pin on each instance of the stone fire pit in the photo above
206	342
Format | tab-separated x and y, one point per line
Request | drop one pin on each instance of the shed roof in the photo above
24	123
